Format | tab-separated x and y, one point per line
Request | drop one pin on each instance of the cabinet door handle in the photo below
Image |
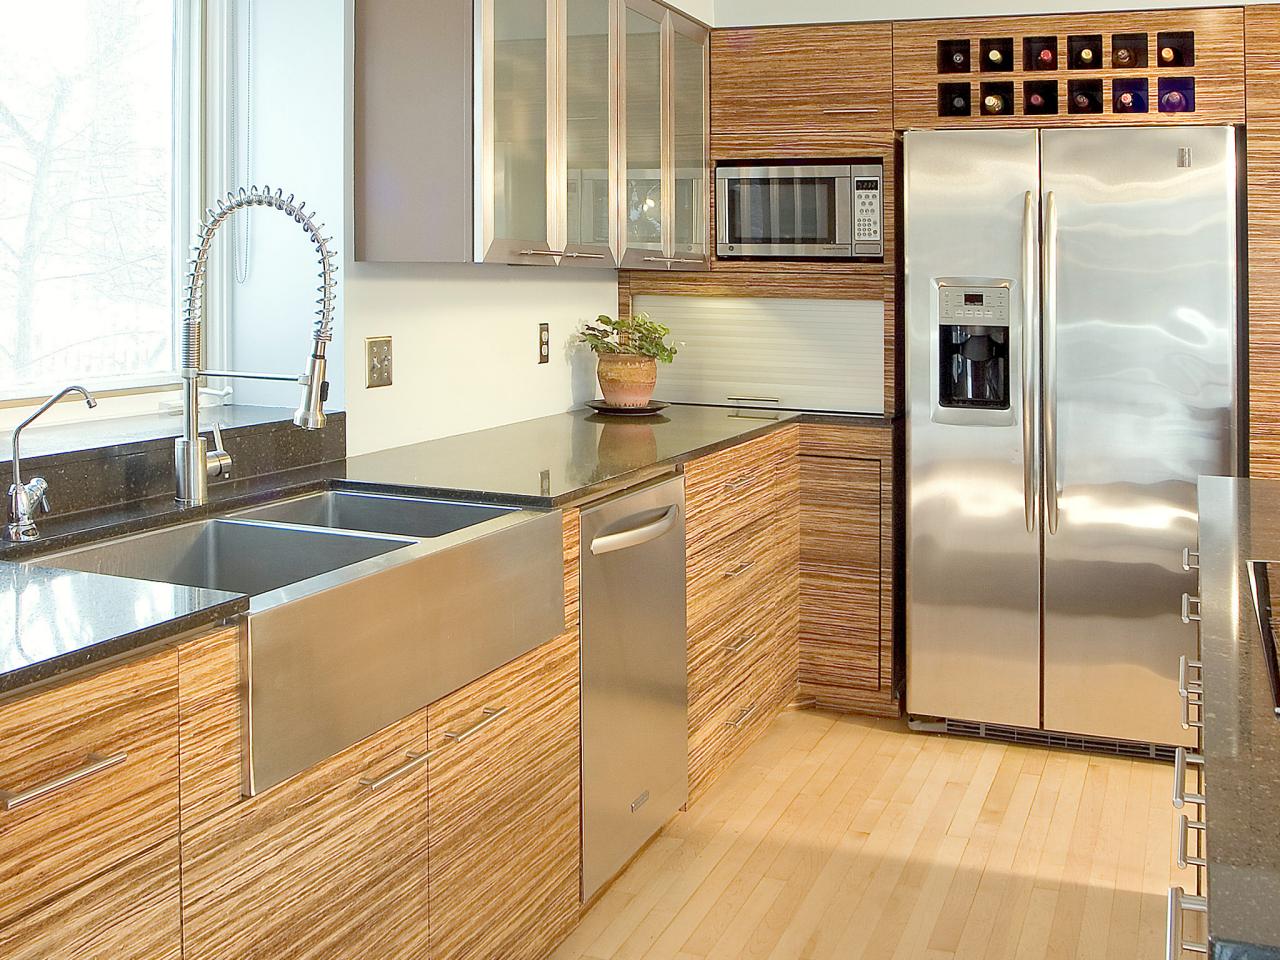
1187	563
1185	828
1185	683
1187	615
413	763
674	260
739	570
95	764
742	644
490	715
1176	942
1181	760
542	253
743	716
733	486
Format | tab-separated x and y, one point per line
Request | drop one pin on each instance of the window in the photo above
94	146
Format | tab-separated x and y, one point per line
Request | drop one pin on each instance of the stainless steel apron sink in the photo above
350	630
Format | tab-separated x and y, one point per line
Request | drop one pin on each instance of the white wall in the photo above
741	13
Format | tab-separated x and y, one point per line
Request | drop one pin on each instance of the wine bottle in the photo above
1124	57
1173	102
1125	102
1086	55
1083	103
993	103
1168	54
960	104
995	57
1045	59
958	58
1036	101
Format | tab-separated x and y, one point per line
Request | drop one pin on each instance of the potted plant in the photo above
627	352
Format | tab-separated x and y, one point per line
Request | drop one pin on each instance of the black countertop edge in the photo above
1231	950
134	642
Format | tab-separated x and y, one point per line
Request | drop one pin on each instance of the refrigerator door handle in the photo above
1049	285
1030	365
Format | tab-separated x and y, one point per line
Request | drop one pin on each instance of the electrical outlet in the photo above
544	342
377	361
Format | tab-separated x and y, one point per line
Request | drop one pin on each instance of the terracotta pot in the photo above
626	380
626	446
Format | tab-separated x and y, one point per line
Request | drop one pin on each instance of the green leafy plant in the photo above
638	336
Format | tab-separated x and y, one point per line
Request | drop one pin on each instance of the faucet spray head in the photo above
310	414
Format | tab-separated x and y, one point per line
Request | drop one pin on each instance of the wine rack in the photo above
1168	66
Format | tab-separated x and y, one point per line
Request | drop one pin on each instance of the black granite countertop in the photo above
543	463
1239	523
53	621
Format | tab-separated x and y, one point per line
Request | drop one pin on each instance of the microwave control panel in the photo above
868	216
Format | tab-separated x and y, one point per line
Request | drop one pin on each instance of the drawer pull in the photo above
733	486
490	715
1185	827
739	570
742	644
1187	615
743	716
1186	682
1192	693
1188	563
1181	760
1176	942
96	764
413	763
1191	698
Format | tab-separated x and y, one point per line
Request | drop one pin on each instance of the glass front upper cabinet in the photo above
591	139
664	142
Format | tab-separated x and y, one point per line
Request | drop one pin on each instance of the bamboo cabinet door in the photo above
329	864
840	576
504	860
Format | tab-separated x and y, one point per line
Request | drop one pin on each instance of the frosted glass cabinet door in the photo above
644	207
514	197
689	84
590	132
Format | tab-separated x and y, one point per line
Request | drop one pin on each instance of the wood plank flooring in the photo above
840	837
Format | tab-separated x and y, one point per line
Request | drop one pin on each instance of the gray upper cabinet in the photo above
549	132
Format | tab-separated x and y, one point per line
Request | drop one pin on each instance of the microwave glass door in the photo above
787	211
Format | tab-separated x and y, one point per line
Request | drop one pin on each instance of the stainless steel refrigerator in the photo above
1071	327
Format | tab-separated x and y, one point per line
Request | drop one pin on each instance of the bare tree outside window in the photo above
86	194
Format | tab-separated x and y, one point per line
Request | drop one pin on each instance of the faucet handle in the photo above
37	494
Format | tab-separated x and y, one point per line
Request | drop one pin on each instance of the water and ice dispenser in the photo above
973	345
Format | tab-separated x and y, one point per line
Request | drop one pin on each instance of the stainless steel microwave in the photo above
831	211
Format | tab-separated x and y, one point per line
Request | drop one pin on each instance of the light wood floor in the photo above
836	837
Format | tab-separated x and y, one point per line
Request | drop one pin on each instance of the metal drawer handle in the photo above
754	399
740	569
413	763
542	253
1187	564
1187	615
733	486
743	716
1191	698
1182	758
673	260
96	764
1185	682
1176	942
1185	827
636	535
742	643
490	715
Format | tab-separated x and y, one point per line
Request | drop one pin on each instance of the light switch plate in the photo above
377	361
544	342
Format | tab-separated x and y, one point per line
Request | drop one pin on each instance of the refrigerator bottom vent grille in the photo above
1067	741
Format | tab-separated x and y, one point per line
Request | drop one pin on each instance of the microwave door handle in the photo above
1030	365
722	210
844	211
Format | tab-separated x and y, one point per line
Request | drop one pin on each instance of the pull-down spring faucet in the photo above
193	461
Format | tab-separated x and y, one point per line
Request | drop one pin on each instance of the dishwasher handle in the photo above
634	537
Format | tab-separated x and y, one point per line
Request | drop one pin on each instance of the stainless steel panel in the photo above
973	578
1144	356
635	724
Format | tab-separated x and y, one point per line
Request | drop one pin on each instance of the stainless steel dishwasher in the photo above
635	691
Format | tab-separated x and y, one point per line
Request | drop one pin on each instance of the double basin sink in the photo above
364	607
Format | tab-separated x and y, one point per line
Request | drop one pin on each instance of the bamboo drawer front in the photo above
504	838
322	866
130	912
209	708
1218	70
111	739
803	91
726	491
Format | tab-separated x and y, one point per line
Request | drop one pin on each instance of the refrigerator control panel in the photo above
974	305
